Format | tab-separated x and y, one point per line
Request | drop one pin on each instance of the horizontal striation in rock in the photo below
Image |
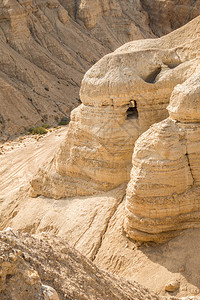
45	49
123	95
163	195
95	156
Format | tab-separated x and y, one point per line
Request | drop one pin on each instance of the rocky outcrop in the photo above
70	273
122	95
94	157
168	15
163	195
47	46
127	18
45	49
90	11
18	280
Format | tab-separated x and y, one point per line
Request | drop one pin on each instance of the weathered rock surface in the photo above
167	15
81	221
122	95
127	18
94	225
152	265
70	273
45	49
172	286
163	195
18	280
95	156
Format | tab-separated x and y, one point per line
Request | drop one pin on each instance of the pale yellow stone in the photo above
163	195
122	95
172	286
45	49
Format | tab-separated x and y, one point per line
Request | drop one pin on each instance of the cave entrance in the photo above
132	112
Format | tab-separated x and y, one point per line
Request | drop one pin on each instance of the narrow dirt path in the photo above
21	159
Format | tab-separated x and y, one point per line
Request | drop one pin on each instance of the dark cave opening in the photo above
132	112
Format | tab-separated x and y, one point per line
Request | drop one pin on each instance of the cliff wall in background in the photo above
46	47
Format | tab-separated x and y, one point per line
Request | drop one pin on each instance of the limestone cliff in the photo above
163	195
122	95
45	48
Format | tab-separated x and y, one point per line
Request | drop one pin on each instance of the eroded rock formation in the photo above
167	15
122	95
44	51
18	279
70	273
163	195
127	18
47	46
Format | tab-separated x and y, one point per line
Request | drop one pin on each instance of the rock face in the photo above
123	17
18	280
163	195
167	15
95	156
70	273
122	95
47	46
45	49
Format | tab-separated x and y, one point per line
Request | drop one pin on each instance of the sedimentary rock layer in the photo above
45	49
163	195
167	15
47	46
95	155
122	95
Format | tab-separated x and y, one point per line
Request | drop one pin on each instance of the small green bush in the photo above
46	126
64	121
37	130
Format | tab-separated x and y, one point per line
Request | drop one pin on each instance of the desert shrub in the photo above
64	121
46	126
37	130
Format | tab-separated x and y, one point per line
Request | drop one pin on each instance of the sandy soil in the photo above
21	158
